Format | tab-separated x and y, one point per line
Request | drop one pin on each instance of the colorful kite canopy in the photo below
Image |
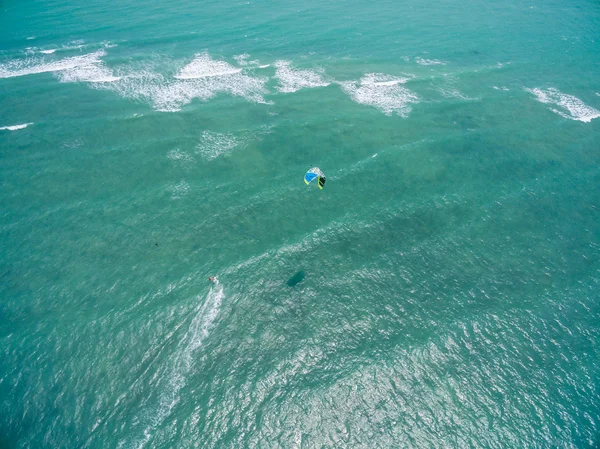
315	173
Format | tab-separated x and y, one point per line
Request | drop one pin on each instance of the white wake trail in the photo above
178	367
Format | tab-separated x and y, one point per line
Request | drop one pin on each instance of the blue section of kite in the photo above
315	173
309	177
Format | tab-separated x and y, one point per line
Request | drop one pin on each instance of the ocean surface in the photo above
441	291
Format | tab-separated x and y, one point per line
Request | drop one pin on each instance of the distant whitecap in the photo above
202	79
569	106
16	127
85	68
422	61
291	79
385	92
204	66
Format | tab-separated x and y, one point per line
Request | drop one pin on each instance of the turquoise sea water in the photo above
443	290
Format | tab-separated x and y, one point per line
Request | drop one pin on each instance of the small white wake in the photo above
178	367
16	127
422	61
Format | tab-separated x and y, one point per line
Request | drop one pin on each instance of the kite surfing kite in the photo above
315	173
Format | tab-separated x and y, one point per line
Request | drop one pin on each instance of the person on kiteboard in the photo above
212	278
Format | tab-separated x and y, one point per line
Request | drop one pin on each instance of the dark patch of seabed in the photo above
296	279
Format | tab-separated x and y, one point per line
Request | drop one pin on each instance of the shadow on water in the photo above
296	279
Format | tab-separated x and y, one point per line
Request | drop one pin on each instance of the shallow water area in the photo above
442	290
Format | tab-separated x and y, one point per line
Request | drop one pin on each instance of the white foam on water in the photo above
422	61
202	79
32	66
381	79
179	365
570	107
385	92
451	92
30	38
291	79
264	66
213	145
16	127
48	52
504	88
204	66
95	72
180	156
179	190
389	83
242	59
163	94
74	45
87	67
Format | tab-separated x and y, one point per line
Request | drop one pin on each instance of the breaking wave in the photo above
291	79
384	92
569	106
